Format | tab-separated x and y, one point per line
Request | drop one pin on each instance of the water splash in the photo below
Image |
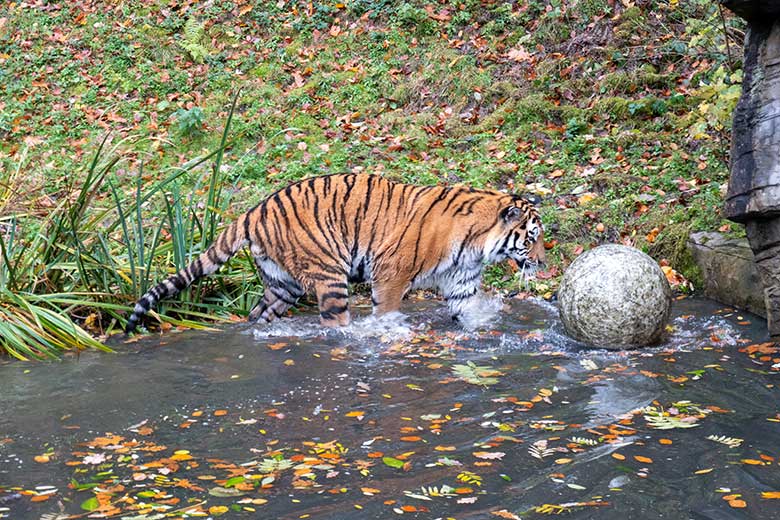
392	326
480	311
387	327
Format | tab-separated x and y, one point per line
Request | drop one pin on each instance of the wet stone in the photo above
729	270
613	297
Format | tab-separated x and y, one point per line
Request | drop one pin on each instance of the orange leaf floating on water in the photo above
376	455
355	413
737	503
41	459
762	348
618	456
770	494
41	498
197	413
411	438
181	455
489	455
276	346
640	458
370	491
752	462
220	413
445	448
665	441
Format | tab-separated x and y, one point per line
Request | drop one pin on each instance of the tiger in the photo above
323	233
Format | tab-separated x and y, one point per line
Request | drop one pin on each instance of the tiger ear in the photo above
511	214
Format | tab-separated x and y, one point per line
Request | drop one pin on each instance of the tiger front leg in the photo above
463	296
333	301
386	295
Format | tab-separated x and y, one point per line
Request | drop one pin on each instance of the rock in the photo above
754	184
729	271
615	296
754	9
753	196
764	238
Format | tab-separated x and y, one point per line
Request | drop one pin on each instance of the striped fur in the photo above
320	234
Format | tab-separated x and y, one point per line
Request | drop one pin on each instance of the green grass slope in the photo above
118	163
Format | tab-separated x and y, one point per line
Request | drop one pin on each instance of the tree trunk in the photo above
754	186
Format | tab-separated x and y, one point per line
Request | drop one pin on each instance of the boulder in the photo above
729	270
615	296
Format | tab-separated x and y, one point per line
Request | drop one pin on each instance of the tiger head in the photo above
518	235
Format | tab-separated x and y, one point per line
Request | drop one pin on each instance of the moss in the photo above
569	112
306	123
672	244
630	81
616	107
533	108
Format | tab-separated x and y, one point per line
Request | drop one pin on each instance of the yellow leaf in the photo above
770	494
218	510
585	198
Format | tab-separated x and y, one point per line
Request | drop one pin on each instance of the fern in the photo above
432	491
540	450
194	35
274	465
583	441
470	478
682	414
731	442
551	509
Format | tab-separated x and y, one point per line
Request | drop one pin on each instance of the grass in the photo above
125	146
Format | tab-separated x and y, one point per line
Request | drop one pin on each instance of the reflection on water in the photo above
291	420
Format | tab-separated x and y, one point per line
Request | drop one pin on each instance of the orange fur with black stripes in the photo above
320	234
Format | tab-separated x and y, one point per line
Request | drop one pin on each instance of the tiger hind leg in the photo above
333	301
282	291
276	300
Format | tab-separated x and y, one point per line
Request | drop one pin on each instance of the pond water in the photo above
389	420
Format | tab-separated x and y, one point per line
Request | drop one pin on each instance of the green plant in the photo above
193	40
190	122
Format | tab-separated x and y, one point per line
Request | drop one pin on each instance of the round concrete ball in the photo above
614	297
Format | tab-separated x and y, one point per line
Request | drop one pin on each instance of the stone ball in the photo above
613	297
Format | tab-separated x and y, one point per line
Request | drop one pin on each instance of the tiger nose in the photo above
537	253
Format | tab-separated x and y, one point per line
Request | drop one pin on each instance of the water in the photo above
363	423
